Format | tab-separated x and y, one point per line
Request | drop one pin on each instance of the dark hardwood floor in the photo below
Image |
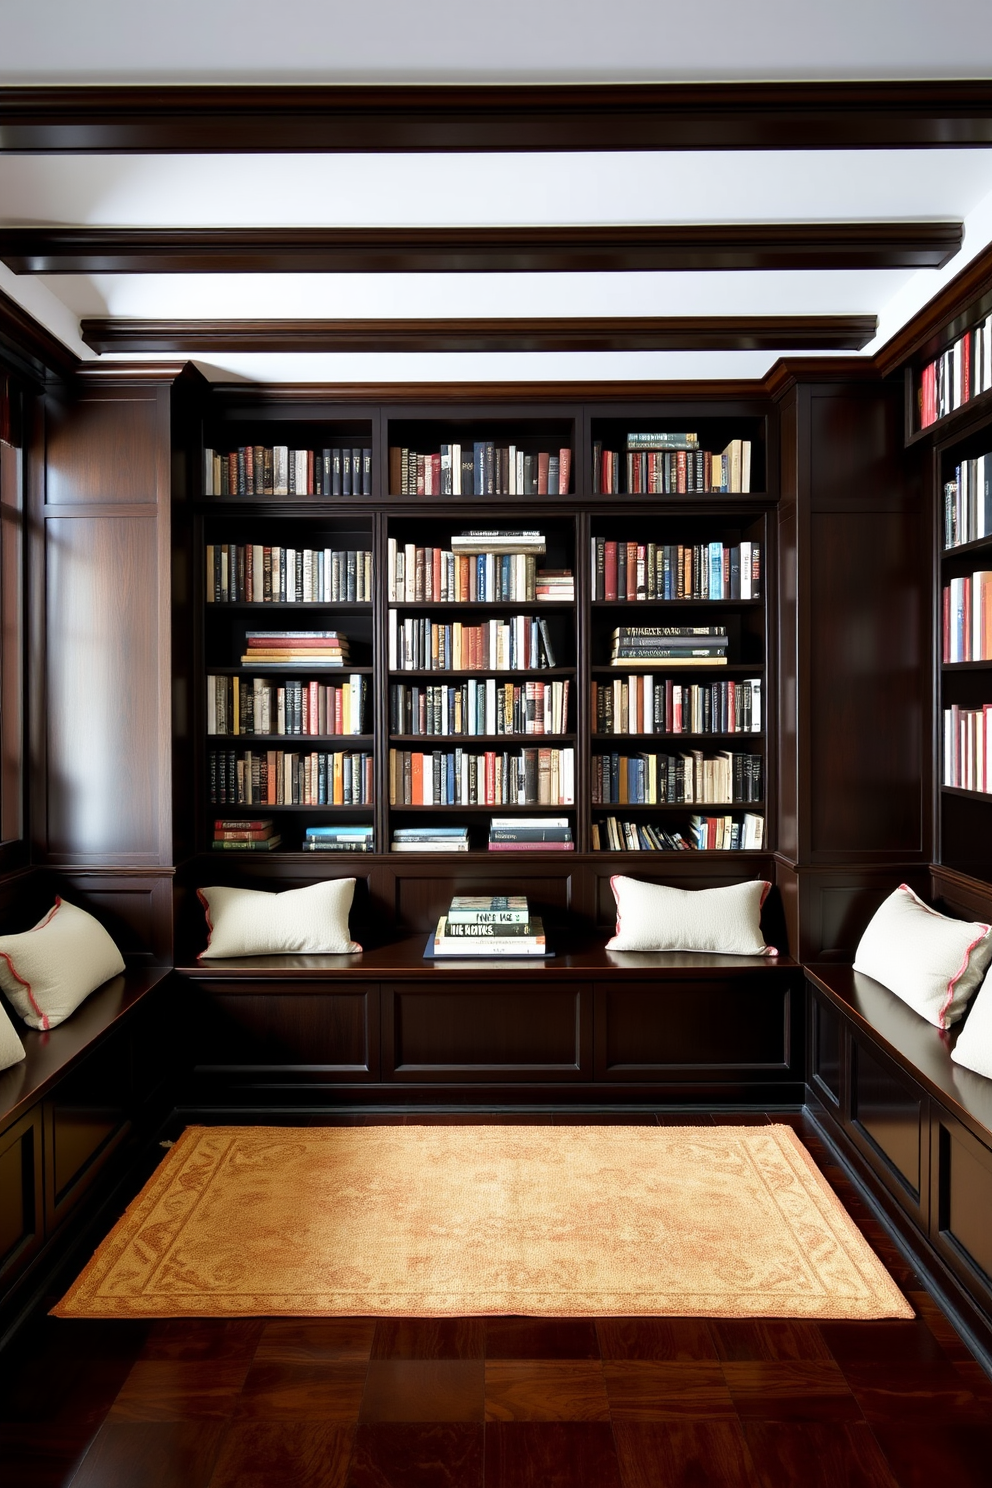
503	1402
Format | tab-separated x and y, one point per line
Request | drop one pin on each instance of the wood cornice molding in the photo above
789	372
448	395
28	347
575	334
464	118
944	318
502	250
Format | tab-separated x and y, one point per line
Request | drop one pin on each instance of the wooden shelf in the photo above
526	673
741	738
338	741
462	741
286	606
694	808
680	604
728	669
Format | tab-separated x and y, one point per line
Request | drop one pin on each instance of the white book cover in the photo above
456	470
208	473
280	470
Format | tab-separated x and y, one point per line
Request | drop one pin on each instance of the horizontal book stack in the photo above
340	839
669	645
665	464
253	573
955	377
530	834
968	618
321	648
430	839
479	707
277	470
274	777
525	777
245	834
555	585
658	705
488	926
631	571
665	779
518	643
727	833
483	468
968	502
259	705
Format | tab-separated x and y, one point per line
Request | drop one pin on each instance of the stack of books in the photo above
675	645
554	584
530	834
322	648
245	834
357	838
430	839
499	925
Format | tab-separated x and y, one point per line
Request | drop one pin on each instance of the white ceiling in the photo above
58	41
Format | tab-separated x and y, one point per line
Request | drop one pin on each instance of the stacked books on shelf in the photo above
478	707
430	838
642	571
274	777
245	834
483	468
555	585
321	648
479	567
523	777
664	464
670	645
658	705
254	573
968	502
259	705
968	618
359	837
488	926
955	377
277	470
530	834
418	643
706	834
691	779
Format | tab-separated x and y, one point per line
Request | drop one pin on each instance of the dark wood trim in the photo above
406	118
681	333
488	250
942	319
28	348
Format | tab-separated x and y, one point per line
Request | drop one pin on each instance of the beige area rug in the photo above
431	1221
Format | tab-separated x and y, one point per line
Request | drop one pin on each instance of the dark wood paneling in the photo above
297	1031
85	1120
204	119
28	346
631	333
136	908
107	448
21	1194
488	250
463	1031
962	1225
889	1110
675	1028
826	1043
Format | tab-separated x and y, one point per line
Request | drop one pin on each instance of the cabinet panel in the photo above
887	1110
87	1118
826	1050
646	1030
501	1032
961	1228
21	1213
107	449
287	1028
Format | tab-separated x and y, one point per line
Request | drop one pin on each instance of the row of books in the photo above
479	707
259	705
277	470
440	576
245	834
483	468
967	603
517	643
670	471
321	648
523	777
959	374
968	747
625	570
693	779
255	573
276	777
675	645
968	502
478	926
705	834
659	705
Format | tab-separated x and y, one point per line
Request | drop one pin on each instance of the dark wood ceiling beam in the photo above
460	118
691	333
491	250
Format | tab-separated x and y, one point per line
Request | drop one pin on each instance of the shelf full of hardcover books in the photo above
632	571
481	926
968	748
967	618
725	833
278	470
968	502
669	464
957	376
486	467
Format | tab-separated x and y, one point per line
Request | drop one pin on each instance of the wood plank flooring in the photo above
503	1402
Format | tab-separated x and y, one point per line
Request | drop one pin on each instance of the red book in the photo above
610	571
680	476
436	474
313	707
631	570
965	367
309	472
543	460
532	847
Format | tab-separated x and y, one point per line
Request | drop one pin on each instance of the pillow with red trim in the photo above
655	917
932	962
49	970
252	922
12	1051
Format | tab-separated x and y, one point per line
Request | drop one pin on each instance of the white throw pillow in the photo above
932	962
251	922
973	1049
11	1048
49	970
654	917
